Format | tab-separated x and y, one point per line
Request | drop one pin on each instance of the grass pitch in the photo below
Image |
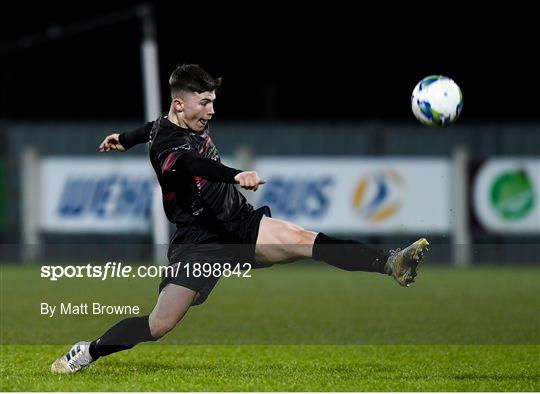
283	368
294	328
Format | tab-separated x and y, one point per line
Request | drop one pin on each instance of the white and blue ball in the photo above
436	101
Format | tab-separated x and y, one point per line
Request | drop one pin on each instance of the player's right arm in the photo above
121	142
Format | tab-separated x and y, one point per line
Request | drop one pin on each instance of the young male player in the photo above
214	221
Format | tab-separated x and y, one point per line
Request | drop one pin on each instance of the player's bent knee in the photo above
283	242
298	243
299	236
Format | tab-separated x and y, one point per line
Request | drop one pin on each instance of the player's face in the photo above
197	109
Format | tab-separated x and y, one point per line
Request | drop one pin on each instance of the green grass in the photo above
282	368
295	328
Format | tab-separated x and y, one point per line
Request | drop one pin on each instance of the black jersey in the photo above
196	188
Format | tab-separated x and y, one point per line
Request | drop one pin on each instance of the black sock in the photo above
348	255
122	336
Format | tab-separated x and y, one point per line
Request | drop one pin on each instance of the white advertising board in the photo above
374	196
96	195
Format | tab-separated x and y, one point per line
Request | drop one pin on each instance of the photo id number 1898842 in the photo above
207	270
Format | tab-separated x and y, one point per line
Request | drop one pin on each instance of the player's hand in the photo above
249	180
111	143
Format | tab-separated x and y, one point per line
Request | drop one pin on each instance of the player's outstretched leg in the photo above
280	241
173	303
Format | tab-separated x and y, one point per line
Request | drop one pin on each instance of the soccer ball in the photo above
436	101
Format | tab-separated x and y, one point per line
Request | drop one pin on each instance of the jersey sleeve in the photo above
138	136
184	161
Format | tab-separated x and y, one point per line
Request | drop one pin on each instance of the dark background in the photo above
278	64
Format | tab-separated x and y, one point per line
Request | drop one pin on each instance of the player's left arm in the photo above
179	163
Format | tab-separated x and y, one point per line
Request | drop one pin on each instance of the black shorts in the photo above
234	244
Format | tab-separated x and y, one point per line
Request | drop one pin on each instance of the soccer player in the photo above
213	218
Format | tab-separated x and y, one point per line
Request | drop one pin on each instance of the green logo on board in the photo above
512	195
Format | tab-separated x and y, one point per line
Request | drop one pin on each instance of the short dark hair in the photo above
192	78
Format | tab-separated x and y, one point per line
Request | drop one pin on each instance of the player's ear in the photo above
178	104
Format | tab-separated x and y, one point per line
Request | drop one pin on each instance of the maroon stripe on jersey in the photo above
201	181
169	162
208	140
